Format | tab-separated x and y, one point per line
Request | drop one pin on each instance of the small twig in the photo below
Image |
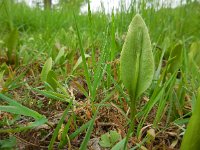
107	124
44	138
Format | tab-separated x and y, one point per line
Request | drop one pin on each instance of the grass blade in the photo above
18	108
56	131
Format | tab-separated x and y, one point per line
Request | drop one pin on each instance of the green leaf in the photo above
194	55
53	95
12	42
17	108
60	54
109	139
56	131
114	137
119	145
79	61
105	140
89	132
8	144
166	46
1	75
79	130
51	79
176	55
137	63
191	137
46	68
31	125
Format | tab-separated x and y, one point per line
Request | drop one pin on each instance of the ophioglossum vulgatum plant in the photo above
136	64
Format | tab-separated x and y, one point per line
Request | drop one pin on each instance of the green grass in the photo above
85	51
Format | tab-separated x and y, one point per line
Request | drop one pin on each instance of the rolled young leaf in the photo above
137	63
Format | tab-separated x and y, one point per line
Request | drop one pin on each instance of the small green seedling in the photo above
191	137
50	79
137	64
49	76
109	139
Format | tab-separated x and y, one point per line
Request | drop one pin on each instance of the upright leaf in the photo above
176	55
191	138
12	42
194	55
51	79
79	61
60	54
137	64
46	68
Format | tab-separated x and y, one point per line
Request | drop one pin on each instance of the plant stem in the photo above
132	120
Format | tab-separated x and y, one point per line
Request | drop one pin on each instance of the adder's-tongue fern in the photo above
137	64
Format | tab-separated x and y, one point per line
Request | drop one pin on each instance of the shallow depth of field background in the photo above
60	83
